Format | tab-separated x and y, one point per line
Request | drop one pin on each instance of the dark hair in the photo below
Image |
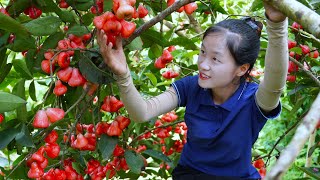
242	38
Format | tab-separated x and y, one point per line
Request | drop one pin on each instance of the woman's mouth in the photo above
203	76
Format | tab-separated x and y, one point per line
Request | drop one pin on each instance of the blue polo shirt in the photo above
220	137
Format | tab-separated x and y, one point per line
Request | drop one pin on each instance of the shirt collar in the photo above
206	97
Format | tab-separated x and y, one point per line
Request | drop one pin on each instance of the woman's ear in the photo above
243	69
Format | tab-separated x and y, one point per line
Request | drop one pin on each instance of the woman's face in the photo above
217	67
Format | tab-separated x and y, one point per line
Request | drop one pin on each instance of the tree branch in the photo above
315	79
171	26
298	141
296	11
195	24
175	6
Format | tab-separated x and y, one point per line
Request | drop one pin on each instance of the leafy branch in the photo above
175	6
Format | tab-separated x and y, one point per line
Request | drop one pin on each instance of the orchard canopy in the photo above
60	111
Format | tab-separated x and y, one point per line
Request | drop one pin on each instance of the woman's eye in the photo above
215	59
202	51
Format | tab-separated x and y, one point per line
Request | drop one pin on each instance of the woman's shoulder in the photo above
250	89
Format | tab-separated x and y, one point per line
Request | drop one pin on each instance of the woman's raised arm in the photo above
276	60
139	109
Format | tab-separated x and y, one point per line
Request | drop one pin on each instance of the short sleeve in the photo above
182	88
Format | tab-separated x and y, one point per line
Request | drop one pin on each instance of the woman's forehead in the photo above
215	42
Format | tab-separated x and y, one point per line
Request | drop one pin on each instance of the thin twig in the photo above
315	79
149	130
175	6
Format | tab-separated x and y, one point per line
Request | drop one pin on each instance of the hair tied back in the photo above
255	25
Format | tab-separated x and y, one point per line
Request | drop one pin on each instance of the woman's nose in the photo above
203	64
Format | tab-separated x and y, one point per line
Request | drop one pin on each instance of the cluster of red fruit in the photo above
63	58
67	173
38	161
259	164
115	128
43	118
163	60
82	142
33	12
97	8
118	22
111	104
177	146
67	74
96	171
163	133
189	8
292	68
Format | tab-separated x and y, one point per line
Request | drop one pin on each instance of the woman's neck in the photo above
220	95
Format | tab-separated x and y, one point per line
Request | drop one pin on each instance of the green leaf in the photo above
21	67
43	26
306	3
32	91
84	6
312	149
315	68
88	18
11	25
7	136
134	161
19	90
295	90
16	7
106	145
152	78
24	138
158	155
30	59
50	6
256	5
3	57
297	50
66	16
9	102
217	7
136	44
107	5
311	171
154	37
184	42
22	43
314	1
91	72
4	40
5	71
77	167
78	30
18	173
155	51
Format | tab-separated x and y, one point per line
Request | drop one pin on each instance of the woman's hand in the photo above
273	14
114	58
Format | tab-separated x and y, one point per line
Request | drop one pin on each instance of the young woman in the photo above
224	113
